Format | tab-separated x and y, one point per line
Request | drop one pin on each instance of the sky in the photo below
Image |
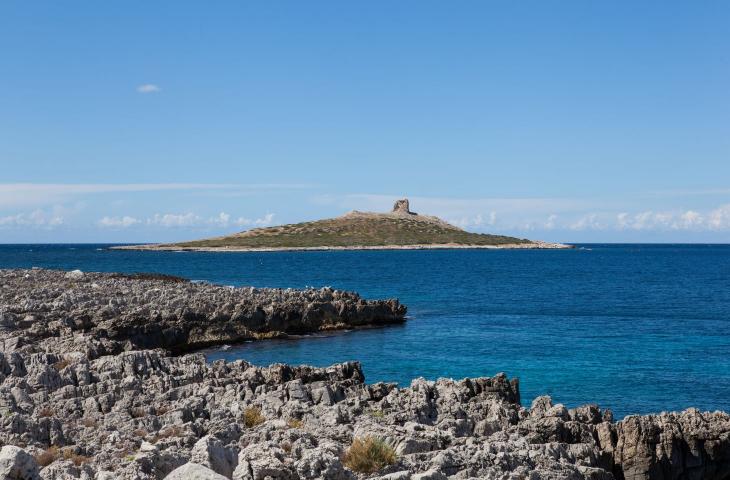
574	121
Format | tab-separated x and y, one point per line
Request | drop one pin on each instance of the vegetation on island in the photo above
357	229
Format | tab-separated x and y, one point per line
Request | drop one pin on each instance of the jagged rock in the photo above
193	471
17	464
94	406
100	314
74	275
210	452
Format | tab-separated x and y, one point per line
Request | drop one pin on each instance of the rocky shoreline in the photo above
94	385
450	246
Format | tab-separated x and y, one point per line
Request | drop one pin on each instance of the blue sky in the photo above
568	121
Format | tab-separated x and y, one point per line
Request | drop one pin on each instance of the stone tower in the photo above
402	207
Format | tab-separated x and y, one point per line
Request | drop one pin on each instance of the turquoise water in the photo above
634	328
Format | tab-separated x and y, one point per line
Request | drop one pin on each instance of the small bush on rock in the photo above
61	364
368	455
169	432
78	460
45	412
294	423
252	417
47	456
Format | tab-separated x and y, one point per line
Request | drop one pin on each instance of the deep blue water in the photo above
635	328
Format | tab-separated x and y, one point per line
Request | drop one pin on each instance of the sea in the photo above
635	328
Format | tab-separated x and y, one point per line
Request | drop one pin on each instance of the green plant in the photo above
369	455
377	414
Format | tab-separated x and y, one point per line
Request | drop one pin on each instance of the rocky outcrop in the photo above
146	415
100	314
143	414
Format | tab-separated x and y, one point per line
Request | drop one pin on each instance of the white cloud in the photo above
118	222
221	220
719	219
148	88
191	220
716	219
477	220
174	220
36	218
550	222
587	222
265	221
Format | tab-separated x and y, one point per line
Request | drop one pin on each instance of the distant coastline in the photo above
515	246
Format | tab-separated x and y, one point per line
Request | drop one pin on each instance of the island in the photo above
399	229
99	379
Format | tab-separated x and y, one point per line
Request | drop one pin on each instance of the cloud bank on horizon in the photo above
167	212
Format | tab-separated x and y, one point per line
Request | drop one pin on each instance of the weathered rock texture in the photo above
144	414
100	314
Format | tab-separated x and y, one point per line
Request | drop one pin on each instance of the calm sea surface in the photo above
634	328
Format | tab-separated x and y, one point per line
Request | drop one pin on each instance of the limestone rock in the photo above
17	464
193	471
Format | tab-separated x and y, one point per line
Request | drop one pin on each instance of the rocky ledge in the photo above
102	314
120	410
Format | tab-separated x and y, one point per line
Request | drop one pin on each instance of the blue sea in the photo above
634	328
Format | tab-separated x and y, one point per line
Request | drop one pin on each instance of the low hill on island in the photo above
398	229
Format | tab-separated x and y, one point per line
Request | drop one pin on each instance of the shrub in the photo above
377	414
171	431
47	456
78	460
252	417
45	412
368	455
61	364
137	412
294	423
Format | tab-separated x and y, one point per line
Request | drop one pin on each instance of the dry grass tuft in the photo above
47	456
369	455
252	416
61	364
78	460
137	412
45	412
169	432
294	423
